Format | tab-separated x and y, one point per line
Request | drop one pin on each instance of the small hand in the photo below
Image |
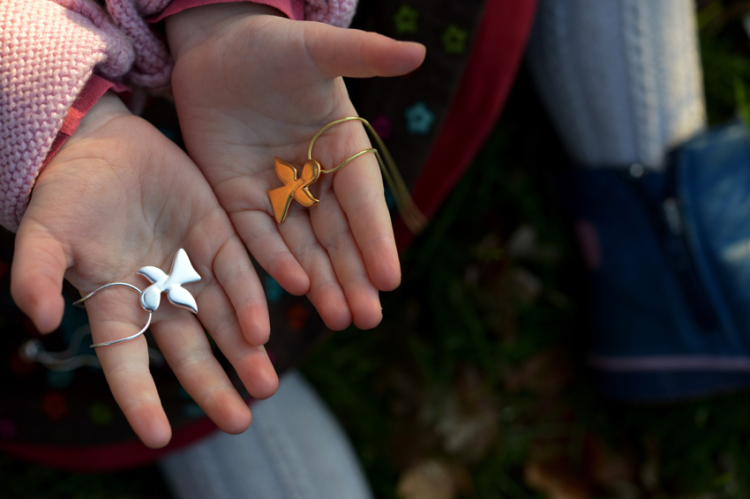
251	86
117	197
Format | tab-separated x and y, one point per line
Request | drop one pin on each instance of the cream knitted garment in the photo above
621	79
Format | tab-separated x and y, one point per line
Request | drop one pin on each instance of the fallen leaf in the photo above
555	480
430	479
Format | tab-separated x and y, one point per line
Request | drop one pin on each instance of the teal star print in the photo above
100	414
405	19
274	292
419	119
454	40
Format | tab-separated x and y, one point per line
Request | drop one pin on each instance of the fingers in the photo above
292	255
340	285
348	256
247	209
236	275
353	224
184	344
260	233
187	350
332	229
325	292
251	362
114	315
359	190
359	54
233	309
39	264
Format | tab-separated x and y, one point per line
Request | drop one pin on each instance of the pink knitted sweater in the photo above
49	50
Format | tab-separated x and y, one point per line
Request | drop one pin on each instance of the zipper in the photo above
668	220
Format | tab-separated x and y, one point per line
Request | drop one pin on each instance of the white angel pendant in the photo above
182	273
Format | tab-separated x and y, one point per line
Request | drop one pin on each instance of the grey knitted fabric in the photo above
294	449
621	79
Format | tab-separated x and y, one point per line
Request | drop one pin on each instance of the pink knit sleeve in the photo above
48	52
335	12
127	12
153	64
293	9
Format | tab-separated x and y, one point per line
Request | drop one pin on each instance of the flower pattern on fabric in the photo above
273	289
100	414
272	356
297	316
406	19
7	429
419	119
21	367
383	125
59	379
454	40
29	327
183	394
54	406
189	407
193	411
390	199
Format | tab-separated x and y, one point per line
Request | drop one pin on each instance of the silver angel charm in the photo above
182	273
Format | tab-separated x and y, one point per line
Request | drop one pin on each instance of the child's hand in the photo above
120	196
250	86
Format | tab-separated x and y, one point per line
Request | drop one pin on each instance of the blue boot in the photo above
670	270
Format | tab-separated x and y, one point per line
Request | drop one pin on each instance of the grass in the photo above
474	382
475	379
455	373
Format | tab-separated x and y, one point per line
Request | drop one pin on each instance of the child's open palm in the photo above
251	86
117	197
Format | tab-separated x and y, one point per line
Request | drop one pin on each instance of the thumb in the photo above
359	54
37	272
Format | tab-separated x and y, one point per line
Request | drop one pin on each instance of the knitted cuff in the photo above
293	9
153	64
95	88
334	12
48	52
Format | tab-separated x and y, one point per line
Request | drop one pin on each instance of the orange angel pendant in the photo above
295	187
297	184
